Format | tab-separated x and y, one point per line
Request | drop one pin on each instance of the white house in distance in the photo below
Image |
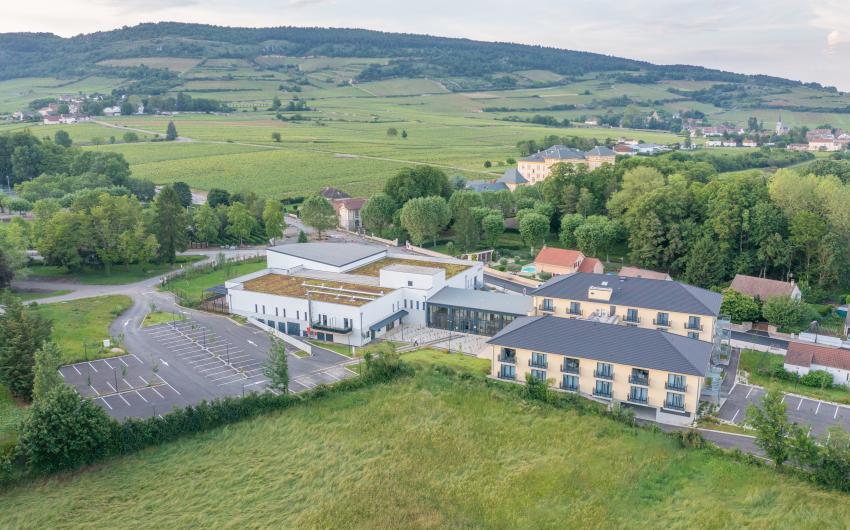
347	293
802	358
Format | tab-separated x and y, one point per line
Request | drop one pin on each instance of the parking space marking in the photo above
836	413
107	364
800	403
141	396
750	392
123	361
74	366
107	403
91	366
736	415
818	409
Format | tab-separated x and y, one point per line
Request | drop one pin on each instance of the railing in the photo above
639	380
569	368
672	406
507	359
638	399
575	312
631	320
600	393
663	323
676	387
693	327
546	308
508	377
603	375
538	364
328	327
568	388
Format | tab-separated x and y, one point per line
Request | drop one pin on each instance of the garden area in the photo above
766	369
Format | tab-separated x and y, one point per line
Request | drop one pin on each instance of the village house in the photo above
764	288
798	147
749	143
635	272
822	143
348	212
331	194
564	261
624	150
801	358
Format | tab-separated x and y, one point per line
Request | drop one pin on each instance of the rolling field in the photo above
424	452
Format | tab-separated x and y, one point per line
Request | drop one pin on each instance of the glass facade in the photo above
465	320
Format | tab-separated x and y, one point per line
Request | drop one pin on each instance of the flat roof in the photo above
374	268
514	304
334	254
413	269
663	295
318	289
630	346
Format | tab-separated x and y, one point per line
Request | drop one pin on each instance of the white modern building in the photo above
347	293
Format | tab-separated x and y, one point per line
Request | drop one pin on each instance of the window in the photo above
346	323
298	315
638	394
632	316
255	309
276	312
264	309
675	401
410	283
662	319
639	377
507	371
570	383
675	382
604	370
693	335
570	366
540	375
538	360
417	305
602	388
405	303
284	312
508	355
694	323
612	311
548	305
575	308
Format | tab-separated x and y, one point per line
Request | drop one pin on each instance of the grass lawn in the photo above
27	296
84	321
157	317
301	354
342	349
754	362
192	284
425	452
11	412
119	275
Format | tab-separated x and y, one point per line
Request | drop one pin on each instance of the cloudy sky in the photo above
799	39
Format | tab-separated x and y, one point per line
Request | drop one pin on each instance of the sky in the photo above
806	40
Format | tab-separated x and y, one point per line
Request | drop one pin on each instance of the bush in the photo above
817	379
782	311
64	431
691	438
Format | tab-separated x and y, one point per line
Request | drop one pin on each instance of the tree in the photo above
171	132
275	103
419	181
7	273
240	222
462	201
46	373
488	164
377	213
392	132
705	264
302	236
493	226
63	431
773	430
276	368
184	192
273	220
424	217
318	213
22	333
109	219
533	229
63	236
595	235
276	136
782	311
467	231
740	307
62	138
127	108
170	224
130	137
218	196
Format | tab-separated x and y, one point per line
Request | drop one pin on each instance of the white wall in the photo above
277	260
398	279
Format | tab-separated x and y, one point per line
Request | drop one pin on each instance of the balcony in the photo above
541	364
569	368
507	377
693	327
663	323
671	406
601	393
639	380
675	387
318	326
603	375
574	312
568	388
545	308
638	399
631	319
511	359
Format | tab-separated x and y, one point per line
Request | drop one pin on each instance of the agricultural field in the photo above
16	94
425	452
177	64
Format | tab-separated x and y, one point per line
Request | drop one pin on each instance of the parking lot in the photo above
817	414
179	363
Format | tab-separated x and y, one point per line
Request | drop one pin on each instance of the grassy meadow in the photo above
425	452
192	284
119	275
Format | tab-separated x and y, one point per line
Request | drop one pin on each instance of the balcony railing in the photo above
569	368
507	359
568	388
632	319
661	323
693	327
676	387
601	393
538	364
507	377
546	308
603	375
638	399
672	406
639	380
331	328
574	312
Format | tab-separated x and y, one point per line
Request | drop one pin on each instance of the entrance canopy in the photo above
398	315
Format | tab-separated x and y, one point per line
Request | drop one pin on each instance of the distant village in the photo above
68	109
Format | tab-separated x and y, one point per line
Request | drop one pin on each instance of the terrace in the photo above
374	268
319	290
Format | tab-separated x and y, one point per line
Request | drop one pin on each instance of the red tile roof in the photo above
351	203
803	354
589	265
558	256
761	287
635	272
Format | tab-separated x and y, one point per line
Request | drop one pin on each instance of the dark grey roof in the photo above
635	292
560	152
398	315
638	347
334	254
512	176
485	185
332	193
601	150
513	304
